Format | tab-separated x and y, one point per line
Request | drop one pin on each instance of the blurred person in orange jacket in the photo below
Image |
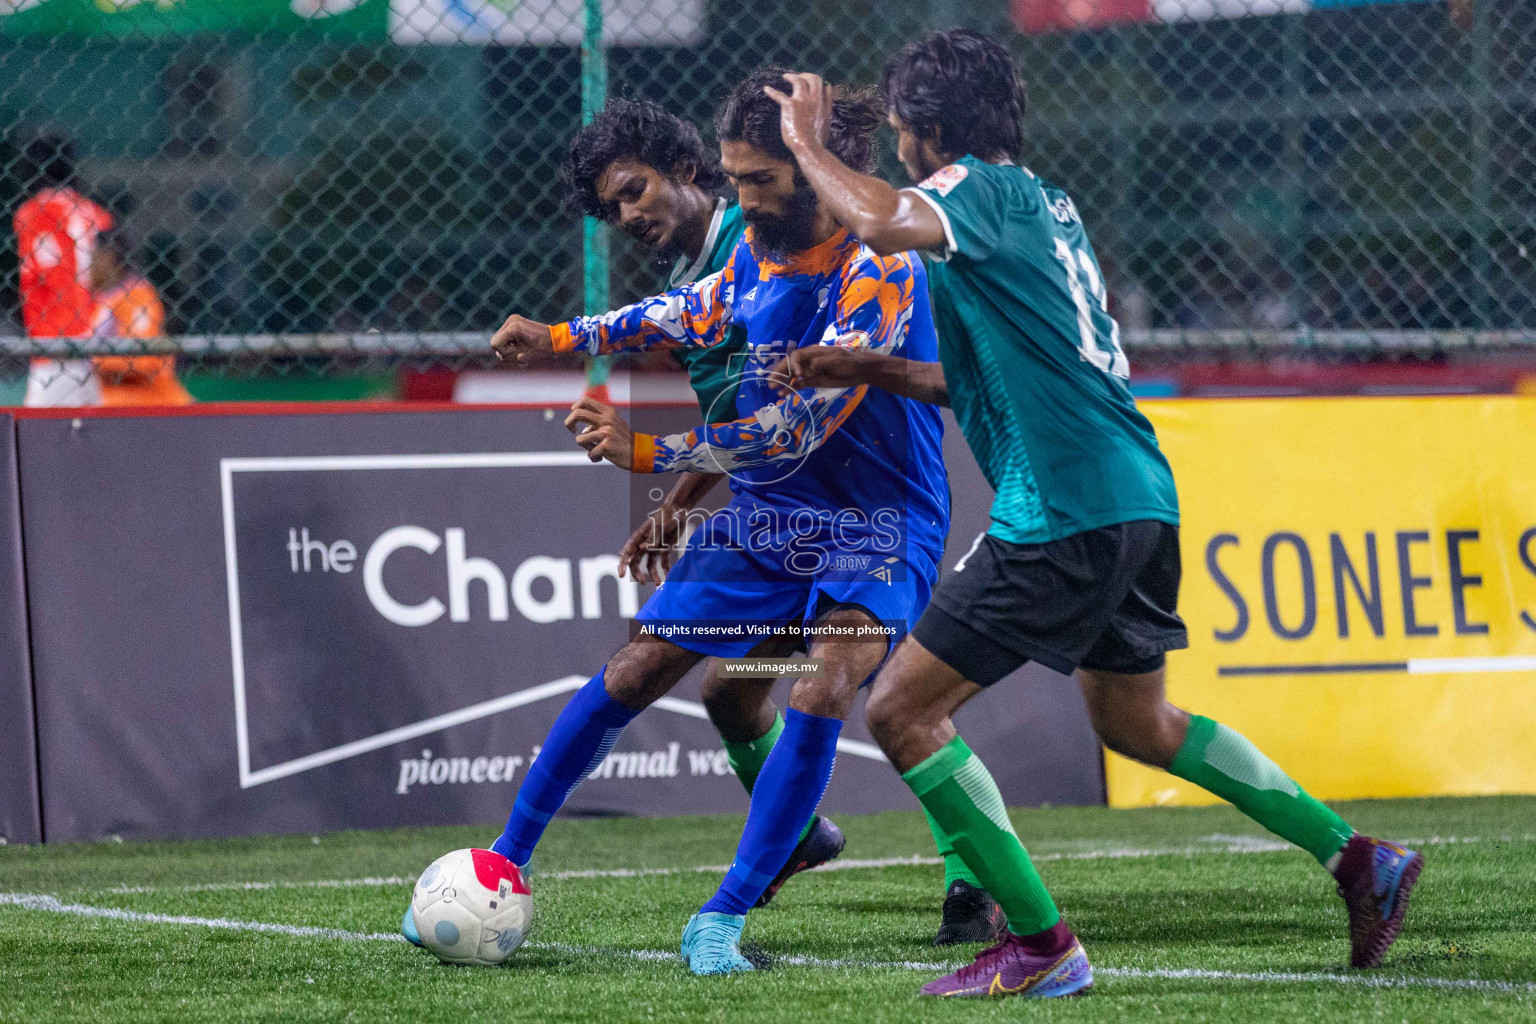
56	231
129	307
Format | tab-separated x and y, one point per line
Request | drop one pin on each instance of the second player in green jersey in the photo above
1080	568
713	373
1039	383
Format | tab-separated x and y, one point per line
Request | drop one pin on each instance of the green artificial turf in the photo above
1150	893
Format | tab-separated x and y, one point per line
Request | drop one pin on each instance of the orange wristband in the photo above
644	454
560	337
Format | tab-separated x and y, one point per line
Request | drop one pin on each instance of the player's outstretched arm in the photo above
832	366
696	314
871	313
519	339
786	431
887	220
790	429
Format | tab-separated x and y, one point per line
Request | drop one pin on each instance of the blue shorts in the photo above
724	601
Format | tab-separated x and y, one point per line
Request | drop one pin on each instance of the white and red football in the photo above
472	907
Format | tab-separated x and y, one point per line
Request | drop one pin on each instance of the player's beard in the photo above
924	170
777	237
665	256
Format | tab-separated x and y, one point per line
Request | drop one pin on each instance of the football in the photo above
472	907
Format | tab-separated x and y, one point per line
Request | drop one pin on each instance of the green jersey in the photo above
1032	359
714	372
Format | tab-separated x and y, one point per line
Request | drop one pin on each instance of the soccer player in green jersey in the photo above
1080	567
646	171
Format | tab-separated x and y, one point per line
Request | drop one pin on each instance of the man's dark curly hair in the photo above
637	130
751	116
960	89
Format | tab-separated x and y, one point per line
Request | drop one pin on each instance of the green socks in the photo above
954	868
747	759
1217	759
959	795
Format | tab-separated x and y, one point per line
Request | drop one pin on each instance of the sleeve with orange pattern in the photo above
695	315
872	310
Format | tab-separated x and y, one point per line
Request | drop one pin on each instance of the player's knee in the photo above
644	670
825	696
627	687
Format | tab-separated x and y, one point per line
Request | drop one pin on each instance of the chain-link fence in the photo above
351	183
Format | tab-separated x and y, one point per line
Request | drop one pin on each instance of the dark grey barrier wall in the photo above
278	623
19	811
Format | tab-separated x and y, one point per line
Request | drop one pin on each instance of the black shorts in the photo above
1101	599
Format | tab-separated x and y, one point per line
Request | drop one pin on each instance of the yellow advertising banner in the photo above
1360	589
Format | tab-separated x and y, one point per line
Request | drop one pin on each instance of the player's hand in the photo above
805	115
519	338
600	430
818	366
652	548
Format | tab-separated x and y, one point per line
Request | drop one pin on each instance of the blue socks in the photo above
581	737
787	792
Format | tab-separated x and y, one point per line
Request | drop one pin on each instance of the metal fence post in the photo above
1485	292
594	90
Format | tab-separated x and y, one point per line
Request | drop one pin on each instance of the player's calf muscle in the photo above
908	735
740	709
1132	716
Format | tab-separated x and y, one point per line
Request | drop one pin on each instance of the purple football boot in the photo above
1012	968
824	842
1375	878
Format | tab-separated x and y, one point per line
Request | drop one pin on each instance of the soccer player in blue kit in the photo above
839	505
647	172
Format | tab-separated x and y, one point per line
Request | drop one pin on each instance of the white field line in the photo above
35	901
1215	845
1304	977
50	904
378	881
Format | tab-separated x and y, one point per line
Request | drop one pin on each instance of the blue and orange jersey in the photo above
861	450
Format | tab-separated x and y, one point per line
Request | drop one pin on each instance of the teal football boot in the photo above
712	944
408	928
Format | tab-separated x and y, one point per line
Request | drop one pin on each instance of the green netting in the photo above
347	185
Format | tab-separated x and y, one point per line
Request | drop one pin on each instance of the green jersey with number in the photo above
714	373
1032	359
